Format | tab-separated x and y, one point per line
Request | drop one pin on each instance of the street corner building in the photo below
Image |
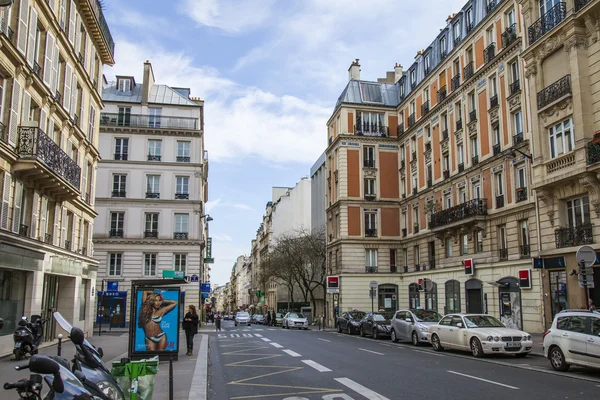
52	55
153	187
445	179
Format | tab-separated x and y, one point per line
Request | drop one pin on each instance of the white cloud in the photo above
211	205
222	238
231	16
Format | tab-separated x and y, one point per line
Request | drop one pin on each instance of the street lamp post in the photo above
201	280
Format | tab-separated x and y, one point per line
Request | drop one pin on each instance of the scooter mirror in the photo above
77	336
99	349
80	375
57	384
43	365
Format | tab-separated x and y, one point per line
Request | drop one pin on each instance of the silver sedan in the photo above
295	320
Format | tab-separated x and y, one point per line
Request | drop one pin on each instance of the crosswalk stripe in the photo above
247	335
257	335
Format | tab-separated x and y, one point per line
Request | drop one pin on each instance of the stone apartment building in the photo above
152	189
52	55
429	175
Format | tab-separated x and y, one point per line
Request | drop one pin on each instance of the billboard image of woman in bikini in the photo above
157	328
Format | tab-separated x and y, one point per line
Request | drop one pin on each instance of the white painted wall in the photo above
292	211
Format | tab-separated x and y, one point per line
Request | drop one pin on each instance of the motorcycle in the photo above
88	361
63	384
28	336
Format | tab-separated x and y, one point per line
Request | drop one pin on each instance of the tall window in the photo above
452	297
151	228
523	233
181	223
179	262
124	85
561	138
415	218
154	117
124	117
403	186
456	30
443	47
578	211
415	183
115	264
521	177
514	71
479	242
405	257
474	147
499	184
152	186
497	134
392	260
369	156
464	244
417	255
154	150
117	223
372	122
502	239
476	190
371	258
414	296
121	149
413	77
446	163
448	200
462	195
510	18
518	121
546	5
469	17
182	188
494	86
370	224
427	63
149	264
472	101
119	185
461	153
490	35
183	151
448	246
369	187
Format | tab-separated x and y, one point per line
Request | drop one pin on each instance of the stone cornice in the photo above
153	163
147	241
116	201
140	130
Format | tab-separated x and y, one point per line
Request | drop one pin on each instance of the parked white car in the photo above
413	325
481	334
573	339
242	318
295	320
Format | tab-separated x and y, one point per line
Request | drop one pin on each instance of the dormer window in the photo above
427	64
124	84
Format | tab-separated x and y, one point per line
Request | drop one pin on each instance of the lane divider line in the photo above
360	389
483	380
316	366
277	345
371	351
325	340
291	353
429	352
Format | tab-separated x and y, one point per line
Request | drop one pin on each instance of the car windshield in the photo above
483	321
279	315
427	316
295	315
381	317
243	314
357	314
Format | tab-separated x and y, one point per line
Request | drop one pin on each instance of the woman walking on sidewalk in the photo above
190	325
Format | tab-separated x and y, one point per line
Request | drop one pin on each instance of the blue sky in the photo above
270	73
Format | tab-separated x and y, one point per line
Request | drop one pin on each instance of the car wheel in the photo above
435	342
375	334
18	355
521	355
339	328
415	338
362	332
557	359
393	336
349	329
476	348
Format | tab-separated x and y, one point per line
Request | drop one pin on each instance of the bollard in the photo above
59	349
171	378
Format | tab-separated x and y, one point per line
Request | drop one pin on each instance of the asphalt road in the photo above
260	362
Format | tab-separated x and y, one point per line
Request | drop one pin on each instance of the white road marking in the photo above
386	345
360	389
371	351
221	335
316	366
235	335
292	353
325	340
266	340
247	335
484	380
273	329
277	345
257	335
429	352
259	330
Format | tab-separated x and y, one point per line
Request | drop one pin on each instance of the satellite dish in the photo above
6	3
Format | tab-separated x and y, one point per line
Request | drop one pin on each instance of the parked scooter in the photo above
28	336
88	361
63	384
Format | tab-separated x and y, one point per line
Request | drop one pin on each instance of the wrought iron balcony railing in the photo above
521	194
593	152
153	157
402	164
445	134
509	36
57	96
489	53
370	232
443	54
180	235
496	149
469	26
457	41
121	156
23	230
400	128
473	116
441	94
573	236
404	232
429	182
183	159
500	201
47	238
118	193
68	245
515	87
415	228
97	9
475	160
414	156
489	7
461	167
425	107
579	4
370	196
411	120
427	147
446	174
553	17
469	70
371	129
37	69
503	254
182	196
471	208
455	82
151	234
116	233
33	142
459	124
370	270
369	163
3	133
554	91
152	195
148	121
524	251
417	267
393	269
494	101
414	191
518	138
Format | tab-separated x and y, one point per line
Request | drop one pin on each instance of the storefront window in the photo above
12	299
430	295
414	296
388	297
558	291
452	297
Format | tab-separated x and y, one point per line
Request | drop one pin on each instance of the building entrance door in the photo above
49	301
474	296
558	291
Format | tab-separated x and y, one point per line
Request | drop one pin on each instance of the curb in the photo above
199	388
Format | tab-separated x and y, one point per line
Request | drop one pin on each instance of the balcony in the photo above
553	17
404	232
23	229
425	108
115	233
393	269
461	167
402	164
411	120
446	174
151	234
555	91
152	195
427	147
414	191
37	69
370	232
472	209
500	201
489	7
474	160
445	134
524	251
180	235
473	116
417	267
182	196
459	124
489	53
83	251
148	121
369	163
503	254
47	238
469	26
496	149
469	70
429	182
518	138
457	41
370	270
400	128
441	94
118	193
57	96
415	228
455	82
573	236
45	165
521	194
515	87
121	156
579	4
593	152
414	156
68	245
443	54
370	197
374	129
509	36
183	159
494	101
153	157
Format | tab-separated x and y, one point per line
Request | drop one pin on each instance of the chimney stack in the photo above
397	72
354	71
148	82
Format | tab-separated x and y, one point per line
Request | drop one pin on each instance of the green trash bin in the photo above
136	378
